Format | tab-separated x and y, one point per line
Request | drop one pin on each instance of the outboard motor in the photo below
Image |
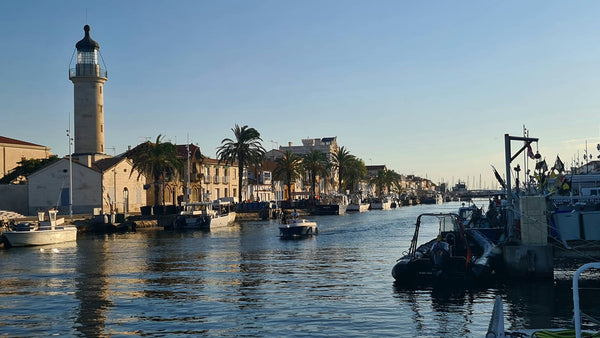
440	254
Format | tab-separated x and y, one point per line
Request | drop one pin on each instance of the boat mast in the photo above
187	188
70	171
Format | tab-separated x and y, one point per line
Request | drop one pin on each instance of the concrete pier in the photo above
531	256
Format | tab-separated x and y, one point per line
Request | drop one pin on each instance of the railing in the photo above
207	178
87	70
216	179
225	179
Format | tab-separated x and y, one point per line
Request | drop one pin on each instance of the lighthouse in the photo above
88	79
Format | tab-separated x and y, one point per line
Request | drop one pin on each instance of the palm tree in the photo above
355	171
157	161
341	160
385	179
246	150
316	164
289	169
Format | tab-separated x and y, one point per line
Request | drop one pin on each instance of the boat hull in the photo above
222	221
41	237
198	222
329	209
298	230
362	207
381	206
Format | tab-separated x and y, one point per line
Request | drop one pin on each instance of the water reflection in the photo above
92	288
245	281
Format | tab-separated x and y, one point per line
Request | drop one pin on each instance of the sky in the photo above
428	88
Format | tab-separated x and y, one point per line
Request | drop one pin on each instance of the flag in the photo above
499	178
530	152
559	165
542	166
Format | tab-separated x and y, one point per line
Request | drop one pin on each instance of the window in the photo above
90	57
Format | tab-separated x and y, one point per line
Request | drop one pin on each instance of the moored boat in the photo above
41	232
204	216
454	254
357	207
330	205
381	204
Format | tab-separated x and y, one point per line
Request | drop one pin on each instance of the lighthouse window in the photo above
87	57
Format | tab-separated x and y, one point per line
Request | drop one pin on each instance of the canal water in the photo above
245	281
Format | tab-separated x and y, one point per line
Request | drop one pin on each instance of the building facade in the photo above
327	145
13	151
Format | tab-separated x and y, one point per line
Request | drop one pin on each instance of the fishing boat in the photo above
204	216
496	325
295	227
42	232
454	254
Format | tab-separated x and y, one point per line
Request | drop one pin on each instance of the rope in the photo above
590	318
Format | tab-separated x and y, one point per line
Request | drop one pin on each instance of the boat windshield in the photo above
447	223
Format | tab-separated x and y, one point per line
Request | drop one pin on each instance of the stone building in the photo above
13	151
327	145
105	187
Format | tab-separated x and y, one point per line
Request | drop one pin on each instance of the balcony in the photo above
216	179
225	179
207	178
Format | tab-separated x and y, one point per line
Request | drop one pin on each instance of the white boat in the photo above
496	325
42	232
381	204
204	215
297	228
575	211
357	207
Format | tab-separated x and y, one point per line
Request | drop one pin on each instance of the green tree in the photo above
354	172
246	150
341	160
159	162
315	164
27	167
289	169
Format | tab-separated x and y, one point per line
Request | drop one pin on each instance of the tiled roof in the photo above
106	163
9	140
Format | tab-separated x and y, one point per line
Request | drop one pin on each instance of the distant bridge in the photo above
484	193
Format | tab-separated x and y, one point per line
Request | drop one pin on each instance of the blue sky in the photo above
426	87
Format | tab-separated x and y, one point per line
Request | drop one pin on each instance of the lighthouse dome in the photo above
87	44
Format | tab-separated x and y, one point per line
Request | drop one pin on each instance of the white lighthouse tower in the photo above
88	79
